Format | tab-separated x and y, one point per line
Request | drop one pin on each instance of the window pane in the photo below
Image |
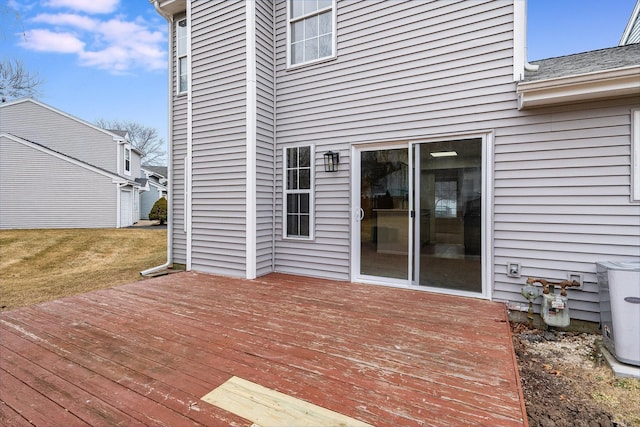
304	203
297	31
297	8
182	72
325	23
325	47
297	53
292	157
323	3
311	49
311	27
292	179
305	157
310	6
181	36
292	225
305	179
304	225
292	203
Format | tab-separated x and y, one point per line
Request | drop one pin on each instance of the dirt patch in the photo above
566	381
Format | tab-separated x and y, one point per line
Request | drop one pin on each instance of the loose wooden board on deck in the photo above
269	408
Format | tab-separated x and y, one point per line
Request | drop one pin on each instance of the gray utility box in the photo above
619	284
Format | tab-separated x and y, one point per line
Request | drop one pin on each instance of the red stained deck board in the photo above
382	355
274	350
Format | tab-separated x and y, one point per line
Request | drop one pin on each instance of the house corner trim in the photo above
251	135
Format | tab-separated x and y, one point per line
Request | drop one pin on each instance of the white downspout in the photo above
188	177
520	64
169	152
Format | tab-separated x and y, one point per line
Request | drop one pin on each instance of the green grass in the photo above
41	265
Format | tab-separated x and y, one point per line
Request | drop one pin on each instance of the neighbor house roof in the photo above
70	159
115	136
598	74
158	170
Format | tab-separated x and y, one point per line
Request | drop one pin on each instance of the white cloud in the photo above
116	45
64	19
49	41
88	6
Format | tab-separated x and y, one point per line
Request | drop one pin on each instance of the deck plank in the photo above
146	352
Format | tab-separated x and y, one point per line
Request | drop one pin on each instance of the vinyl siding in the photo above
177	158
147	200
219	137
30	198
265	137
403	70
34	122
562	198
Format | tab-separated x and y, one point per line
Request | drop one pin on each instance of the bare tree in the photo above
142	137
16	81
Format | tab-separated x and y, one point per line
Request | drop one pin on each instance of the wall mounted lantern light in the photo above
331	161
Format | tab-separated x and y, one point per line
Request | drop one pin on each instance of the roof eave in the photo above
169	7
597	85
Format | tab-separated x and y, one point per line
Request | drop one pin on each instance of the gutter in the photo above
579	88
169	151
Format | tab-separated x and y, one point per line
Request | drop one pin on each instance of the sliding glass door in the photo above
419	215
384	213
448	235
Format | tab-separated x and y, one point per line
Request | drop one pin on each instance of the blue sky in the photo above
107	58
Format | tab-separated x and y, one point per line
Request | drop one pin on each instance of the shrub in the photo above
159	211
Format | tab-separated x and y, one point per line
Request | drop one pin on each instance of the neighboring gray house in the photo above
57	171
631	33
460	169
154	183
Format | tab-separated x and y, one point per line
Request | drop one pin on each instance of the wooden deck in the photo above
147	352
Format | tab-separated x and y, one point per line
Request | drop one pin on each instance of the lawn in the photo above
40	265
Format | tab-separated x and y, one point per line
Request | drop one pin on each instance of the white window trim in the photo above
635	155
334	37
311	191
127	149
179	56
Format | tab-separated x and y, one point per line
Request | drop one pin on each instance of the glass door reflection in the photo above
384	213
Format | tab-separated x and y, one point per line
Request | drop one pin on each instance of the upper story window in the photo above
127	160
181	51
311	30
298	192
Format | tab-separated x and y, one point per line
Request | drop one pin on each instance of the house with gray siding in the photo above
154	187
58	171
406	144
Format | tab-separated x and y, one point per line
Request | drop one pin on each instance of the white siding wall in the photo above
562	198
219	133
265	136
32	198
177	156
35	123
404	70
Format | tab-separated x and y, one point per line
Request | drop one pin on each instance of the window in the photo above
181	40
446	199
298	194
635	155
311	30
127	160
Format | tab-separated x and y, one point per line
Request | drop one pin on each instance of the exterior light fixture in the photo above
331	161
